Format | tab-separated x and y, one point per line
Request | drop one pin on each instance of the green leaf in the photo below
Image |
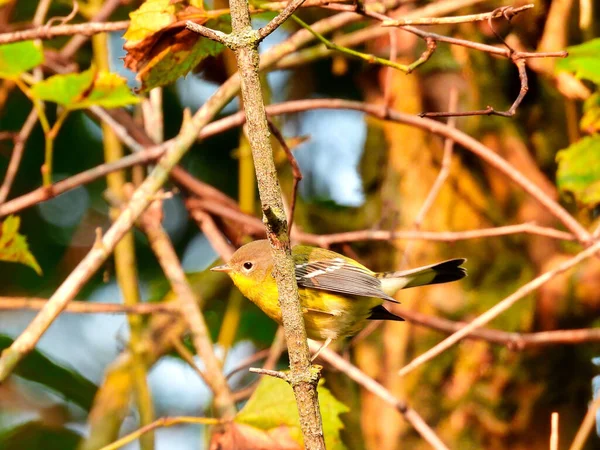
579	170
590	122
18	58
36	435
85	89
583	60
71	385
13	246
273	405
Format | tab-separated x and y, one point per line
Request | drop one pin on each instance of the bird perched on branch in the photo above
338	295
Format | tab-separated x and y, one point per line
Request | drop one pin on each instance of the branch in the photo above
84	307
508	12
169	262
499	308
302	376
17	154
158	423
379	390
284	15
514	341
45	32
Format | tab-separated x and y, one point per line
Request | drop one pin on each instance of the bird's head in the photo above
250	265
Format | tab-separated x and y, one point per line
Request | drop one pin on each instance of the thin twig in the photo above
187	356
284	15
446	162
296	173
500	12
42	194
499	308
84	307
17	154
45	32
169	262
379	390
160	423
586	425
554	431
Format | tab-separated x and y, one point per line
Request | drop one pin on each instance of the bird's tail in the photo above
443	272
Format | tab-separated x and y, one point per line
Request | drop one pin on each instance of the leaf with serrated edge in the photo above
579	172
18	58
273	405
13	246
85	89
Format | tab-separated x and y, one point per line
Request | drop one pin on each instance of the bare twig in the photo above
284	15
500	12
296	173
45	32
214	236
499	308
516	341
446	161
42	194
17	154
169	262
554	431
586	425
83	307
379	390
159	423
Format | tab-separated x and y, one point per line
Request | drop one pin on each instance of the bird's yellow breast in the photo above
326	314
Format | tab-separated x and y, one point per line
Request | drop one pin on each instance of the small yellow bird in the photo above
338	295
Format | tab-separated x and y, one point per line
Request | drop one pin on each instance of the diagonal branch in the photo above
284	15
169	262
499	308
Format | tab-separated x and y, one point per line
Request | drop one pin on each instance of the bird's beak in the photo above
223	268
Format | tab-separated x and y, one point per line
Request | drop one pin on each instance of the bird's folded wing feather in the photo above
336	275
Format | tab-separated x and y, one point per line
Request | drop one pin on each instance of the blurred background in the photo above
358	173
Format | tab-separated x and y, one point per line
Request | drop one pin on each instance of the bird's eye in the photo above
248	265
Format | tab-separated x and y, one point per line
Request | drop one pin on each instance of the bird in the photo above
338	295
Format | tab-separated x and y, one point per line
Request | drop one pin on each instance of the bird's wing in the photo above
337	275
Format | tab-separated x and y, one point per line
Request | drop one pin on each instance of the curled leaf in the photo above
159	46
